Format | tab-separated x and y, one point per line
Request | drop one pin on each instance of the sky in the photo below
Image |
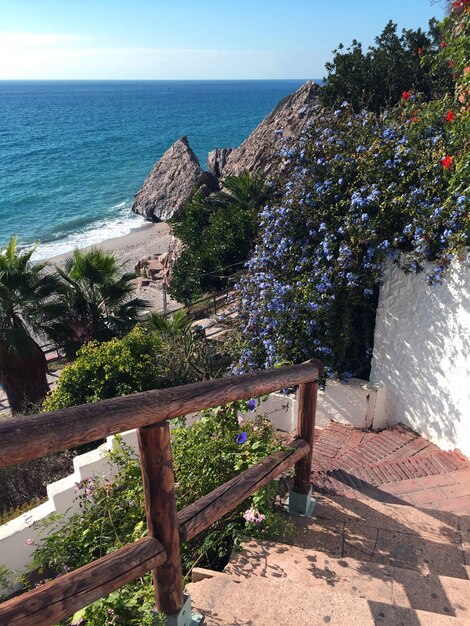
189	39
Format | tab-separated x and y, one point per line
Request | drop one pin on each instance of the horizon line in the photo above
142	80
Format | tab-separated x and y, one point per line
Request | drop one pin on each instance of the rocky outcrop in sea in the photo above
176	176
171	182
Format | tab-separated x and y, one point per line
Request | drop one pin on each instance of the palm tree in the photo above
94	301
24	289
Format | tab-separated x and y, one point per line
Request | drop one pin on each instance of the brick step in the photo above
382	445
261	602
377	474
360	579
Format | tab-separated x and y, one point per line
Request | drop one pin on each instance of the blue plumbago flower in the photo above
252	404
242	437
325	240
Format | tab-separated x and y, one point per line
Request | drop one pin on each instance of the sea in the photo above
74	153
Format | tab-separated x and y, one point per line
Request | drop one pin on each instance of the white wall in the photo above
422	354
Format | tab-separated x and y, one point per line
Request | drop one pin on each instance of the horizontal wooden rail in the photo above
32	437
64	596
201	514
36	436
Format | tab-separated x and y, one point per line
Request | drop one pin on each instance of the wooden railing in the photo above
159	552
204	307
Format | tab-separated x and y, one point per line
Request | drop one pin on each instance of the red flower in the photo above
451	63
444	44
446	162
406	94
449	116
420	51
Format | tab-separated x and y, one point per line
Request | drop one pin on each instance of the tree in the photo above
24	290
218	233
94	301
396	63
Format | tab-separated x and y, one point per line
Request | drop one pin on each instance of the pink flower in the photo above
253	516
240	420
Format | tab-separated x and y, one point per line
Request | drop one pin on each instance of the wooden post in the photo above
305	428
165	299
160	506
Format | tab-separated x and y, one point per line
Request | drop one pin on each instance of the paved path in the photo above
394	465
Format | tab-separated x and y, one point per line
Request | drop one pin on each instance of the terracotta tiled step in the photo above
428	542
379	583
392	471
264	602
379	446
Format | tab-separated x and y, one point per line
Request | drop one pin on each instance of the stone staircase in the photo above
356	562
366	557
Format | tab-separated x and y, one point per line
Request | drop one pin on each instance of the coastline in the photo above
149	238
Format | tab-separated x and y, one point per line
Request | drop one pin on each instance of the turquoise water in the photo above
73	154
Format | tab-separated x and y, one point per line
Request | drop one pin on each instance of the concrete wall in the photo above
354	402
422	354
19	536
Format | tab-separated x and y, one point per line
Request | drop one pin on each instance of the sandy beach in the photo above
151	238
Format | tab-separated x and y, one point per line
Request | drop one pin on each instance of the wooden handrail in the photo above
196	517
63	596
39	435
159	552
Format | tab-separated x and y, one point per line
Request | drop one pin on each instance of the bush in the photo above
142	360
24	485
361	188
205	455
217	232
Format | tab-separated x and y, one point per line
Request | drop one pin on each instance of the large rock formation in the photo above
171	182
217	160
174	178
258	153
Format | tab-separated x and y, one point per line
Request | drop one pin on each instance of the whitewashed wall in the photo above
422	354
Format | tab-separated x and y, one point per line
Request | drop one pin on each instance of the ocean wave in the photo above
120	222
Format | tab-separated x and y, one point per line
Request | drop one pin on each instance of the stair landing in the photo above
395	465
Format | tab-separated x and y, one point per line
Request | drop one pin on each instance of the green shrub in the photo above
397	63
217	232
142	360
205	455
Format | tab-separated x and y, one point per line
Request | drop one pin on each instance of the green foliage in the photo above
94	300
24	485
376	79
24	290
142	360
361	189
112	511
217	232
